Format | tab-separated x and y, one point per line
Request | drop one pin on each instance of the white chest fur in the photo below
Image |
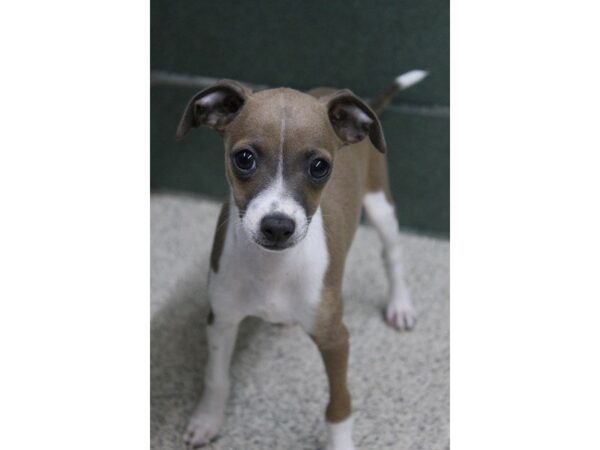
282	286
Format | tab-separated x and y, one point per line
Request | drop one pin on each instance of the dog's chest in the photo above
282	287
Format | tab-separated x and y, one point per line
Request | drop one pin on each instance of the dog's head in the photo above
280	147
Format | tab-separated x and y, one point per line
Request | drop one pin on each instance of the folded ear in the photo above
214	107
353	120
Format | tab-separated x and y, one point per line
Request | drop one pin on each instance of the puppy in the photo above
300	166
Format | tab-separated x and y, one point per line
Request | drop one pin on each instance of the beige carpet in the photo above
399	382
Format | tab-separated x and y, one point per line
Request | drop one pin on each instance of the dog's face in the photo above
280	148
279	155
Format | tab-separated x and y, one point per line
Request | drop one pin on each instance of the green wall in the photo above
352	44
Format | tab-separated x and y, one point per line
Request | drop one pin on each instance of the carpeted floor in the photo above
399	382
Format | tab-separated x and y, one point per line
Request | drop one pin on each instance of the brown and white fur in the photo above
296	276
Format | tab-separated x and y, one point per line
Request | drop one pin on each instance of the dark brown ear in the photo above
353	120
214	107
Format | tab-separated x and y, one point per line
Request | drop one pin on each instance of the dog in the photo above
300	167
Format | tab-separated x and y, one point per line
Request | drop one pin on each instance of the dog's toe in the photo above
401	316
201	430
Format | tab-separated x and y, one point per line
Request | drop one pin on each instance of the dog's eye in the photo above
245	161
319	168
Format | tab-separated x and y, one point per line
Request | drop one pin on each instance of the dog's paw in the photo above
401	315
339	435
202	429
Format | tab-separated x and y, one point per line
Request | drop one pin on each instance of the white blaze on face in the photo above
276	199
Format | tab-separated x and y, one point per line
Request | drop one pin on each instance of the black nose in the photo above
277	228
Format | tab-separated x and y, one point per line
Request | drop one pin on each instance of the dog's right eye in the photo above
245	161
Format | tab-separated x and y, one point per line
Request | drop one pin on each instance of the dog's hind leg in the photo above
380	211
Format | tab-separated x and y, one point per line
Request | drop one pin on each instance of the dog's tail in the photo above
404	81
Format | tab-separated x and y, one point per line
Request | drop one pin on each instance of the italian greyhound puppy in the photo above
300	166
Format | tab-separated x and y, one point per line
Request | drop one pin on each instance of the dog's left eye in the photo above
319	168
245	161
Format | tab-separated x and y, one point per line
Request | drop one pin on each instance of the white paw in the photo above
202	428
401	315
340	435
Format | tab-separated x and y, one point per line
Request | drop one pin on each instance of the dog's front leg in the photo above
210	412
333	344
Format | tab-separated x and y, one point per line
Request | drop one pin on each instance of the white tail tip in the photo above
411	78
